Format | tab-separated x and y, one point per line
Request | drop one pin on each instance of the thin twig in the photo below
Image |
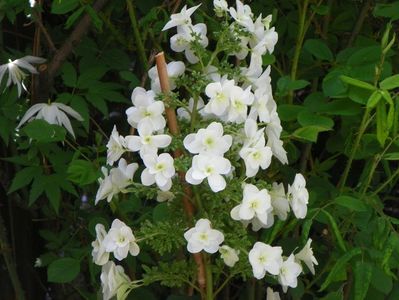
43	29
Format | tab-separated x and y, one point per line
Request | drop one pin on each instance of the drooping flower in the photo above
306	255
116	180
159	170
113	278
116	146
120	240
271	295
229	255
15	74
279	201
174	69
181	18
210	140
211	167
289	272
52	113
147	142
298	196
243	15
265	258
203	237
100	256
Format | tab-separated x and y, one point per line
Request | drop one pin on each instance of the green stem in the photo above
137	36
298	45
208	278
388	181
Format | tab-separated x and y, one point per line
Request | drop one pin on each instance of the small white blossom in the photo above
15	74
52	113
100	255
289	272
181	18
163	196
113	278
298	196
229	255
120	240
243	15
116	146
174	69
271	295
221	7
147	142
38	263
210	140
116	180
219	96
265	258
147	112
259	107
306	255
211	167
159	170
239	101
279	201
203	237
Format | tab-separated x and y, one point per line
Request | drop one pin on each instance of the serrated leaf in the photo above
335	229
319	49
53	194
358	83
362	274
82	172
351	203
63	270
24	177
69	74
36	189
339	265
44	132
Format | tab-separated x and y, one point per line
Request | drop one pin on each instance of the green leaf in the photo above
53	194
82	172
351	203
339	265
374	99
36	189
319	49
73	18
390	10
98	23
390	82
307	118
44	132
382	126
91	75
341	108
381	281
289	112
320	9
335	230
60	7
63	270
333	85
69	74
358	83
308	133
24	177
391	156
362	273
160	212
286	84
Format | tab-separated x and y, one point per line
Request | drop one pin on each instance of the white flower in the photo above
163	196
306	255
271	295
147	111
38	263
255	203
210	140
185	35
203	237
259	107
113	278
15	74
181	18
174	69
229	255
116	146
100	256
219	96
279	201
147	142
243	15
289	272
255	222
185	113
221	7
239	101
120	240
32	3
116	181
210	167
52	113
298	196
159	170
265	258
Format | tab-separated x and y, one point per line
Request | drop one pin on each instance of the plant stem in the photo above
298	45
137	36
209	283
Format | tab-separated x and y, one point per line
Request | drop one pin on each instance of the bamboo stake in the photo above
174	130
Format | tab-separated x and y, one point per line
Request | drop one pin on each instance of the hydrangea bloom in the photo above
289	272
100	255
181	18
265	258
203	237
112	277
116	146
159	170
298	196
229	255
